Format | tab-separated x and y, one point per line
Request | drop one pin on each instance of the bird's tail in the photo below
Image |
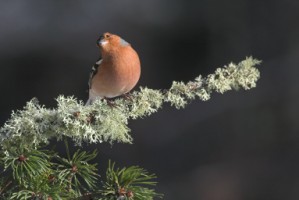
92	97
89	102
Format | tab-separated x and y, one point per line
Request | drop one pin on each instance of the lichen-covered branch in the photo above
108	121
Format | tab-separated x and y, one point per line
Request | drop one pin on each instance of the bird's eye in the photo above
107	36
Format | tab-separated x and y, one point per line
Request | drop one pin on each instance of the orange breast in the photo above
117	74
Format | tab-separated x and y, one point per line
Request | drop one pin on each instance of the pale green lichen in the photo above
103	122
145	102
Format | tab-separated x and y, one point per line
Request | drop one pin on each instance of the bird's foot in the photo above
110	102
127	96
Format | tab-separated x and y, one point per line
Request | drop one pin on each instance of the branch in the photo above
101	122
5	186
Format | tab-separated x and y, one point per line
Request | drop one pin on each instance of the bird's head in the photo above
108	42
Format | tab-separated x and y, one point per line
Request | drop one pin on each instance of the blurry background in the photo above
240	145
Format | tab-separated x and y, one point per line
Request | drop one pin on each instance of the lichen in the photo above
105	121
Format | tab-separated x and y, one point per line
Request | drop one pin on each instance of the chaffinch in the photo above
118	70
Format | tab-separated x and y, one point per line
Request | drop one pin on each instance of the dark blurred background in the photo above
240	145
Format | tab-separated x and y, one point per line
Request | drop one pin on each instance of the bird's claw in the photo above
110	103
127	96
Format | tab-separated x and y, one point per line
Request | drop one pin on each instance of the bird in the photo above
116	72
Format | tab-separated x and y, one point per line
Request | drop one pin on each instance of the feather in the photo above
94	70
123	42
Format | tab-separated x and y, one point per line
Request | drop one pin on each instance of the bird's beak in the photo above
101	41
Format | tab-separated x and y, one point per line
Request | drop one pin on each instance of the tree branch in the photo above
101	122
